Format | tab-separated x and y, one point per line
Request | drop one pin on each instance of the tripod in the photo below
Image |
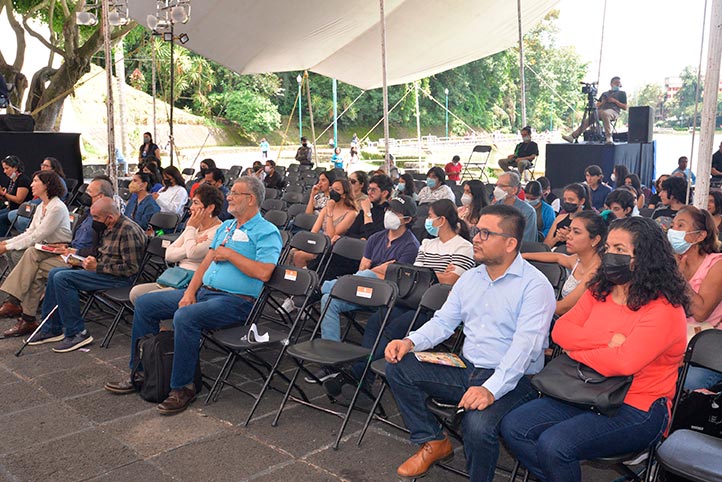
593	132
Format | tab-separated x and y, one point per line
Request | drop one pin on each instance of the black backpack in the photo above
154	359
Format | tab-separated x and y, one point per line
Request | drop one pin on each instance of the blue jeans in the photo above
412	382
63	288
331	323
550	437
698	377
4	221
21	224
212	310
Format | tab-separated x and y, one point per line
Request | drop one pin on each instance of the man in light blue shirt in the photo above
684	170
506	192
506	306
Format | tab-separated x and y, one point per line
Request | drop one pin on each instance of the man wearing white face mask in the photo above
524	153
273	179
395	244
505	192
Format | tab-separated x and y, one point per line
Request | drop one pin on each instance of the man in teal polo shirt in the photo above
241	258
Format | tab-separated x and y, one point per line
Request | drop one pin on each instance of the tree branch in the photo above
19	36
37	35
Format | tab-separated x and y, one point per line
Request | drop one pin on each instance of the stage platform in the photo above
33	147
565	163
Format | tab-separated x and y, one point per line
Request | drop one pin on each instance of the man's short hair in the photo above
217	174
104	187
594	170
676	188
616	77
620	196
683	158
255	186
383	182
512	220
514	179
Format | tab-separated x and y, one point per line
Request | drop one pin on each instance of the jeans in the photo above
212	310
63	288
412	382
21	224
331	322
698	377
4	221
550	437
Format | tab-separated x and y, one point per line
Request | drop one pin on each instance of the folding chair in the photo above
478	165
25	210
305	221
295	209
292	197
124	193
277	218
71	184
432	300
369	293
292	187
72	199
294	167
188	172
686	453
240	343
317	244
271	193
534	247
272	205
555	273
164	221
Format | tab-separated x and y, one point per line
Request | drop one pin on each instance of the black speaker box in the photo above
641	122
16	123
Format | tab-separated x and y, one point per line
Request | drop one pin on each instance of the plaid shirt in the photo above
121	248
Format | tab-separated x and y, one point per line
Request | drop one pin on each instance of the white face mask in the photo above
613	178
391	221
466	199
499	194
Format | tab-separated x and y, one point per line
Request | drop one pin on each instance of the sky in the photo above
644	40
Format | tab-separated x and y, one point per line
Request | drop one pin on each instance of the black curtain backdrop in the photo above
33	147
565	163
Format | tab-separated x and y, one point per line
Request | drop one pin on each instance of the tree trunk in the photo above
61	85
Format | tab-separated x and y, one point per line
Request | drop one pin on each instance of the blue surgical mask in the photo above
430	228
616	88
430	182
533	202
400	187
676	239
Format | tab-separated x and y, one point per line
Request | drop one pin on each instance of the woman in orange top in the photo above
631	321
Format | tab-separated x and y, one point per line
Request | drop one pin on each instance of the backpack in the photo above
154	359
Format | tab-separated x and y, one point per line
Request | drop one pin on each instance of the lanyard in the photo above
229	230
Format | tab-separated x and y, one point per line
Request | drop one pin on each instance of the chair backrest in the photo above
481	148
235	171
271	193
351	248
71	184
305	221
164	220
435	296
188	171
292	197
26	210
285	237
295	209
292	281
646	212
73	220
534	247
277	218
272	205
294	167
704	350
294	187
312	243
555	273
367	292
124	193
157	246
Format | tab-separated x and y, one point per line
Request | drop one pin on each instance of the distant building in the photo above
673	84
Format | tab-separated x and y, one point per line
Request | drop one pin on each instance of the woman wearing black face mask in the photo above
148	148
631	321
173	196
576	199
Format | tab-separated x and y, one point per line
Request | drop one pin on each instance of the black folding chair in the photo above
317	244
481	165
293	187
305	221
25	210
73	198
369	293
432	300
295	209
272	193
555	273
272	205
292	197
534	247
164	221
277	218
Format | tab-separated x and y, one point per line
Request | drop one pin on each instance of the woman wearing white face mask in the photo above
435	188
693	237
473	201
544	212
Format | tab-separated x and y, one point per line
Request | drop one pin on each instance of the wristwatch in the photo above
368	214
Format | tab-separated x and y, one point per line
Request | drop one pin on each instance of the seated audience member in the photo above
359	187
576	199
406	187
633	180
25	284
320	192
544	212
693	237
506	306
200	177
150	167
549	197
684	170
453	169
370	218
436	187
16	192
214	177
597	188
473	201
633	192
256	170
714	206
189	250
242	257
449	253
20	224
141	206
273	179
619	173
629	322
655	200
120	251
621	204
524	153
174	196
506	192
584	242
674	198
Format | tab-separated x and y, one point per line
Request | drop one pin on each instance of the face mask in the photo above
430	228
526	138
335	197
431	183
134	187
400	187
99	226
616	268
305	144
13	176
613	178
534	202
391	221
676	239
570	207
499	194
455	162
466	199
616	88
146	140
168	182
267	169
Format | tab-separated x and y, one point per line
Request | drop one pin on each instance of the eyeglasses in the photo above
502	185
485	233
234	193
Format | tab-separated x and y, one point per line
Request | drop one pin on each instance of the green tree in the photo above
253	112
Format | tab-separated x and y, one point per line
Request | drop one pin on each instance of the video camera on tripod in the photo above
591	90
591	116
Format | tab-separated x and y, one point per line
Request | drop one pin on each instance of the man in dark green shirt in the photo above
609	105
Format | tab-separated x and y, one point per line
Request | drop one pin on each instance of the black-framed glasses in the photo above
234	193
485	233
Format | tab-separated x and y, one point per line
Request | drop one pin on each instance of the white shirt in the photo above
426	195
172	199
437	255
50	226
187	250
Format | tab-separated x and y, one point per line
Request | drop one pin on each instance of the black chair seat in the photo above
119	295
235	337
442	410
327	352
692	455
379	367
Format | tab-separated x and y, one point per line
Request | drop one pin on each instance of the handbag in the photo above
575	383
412	282
175	277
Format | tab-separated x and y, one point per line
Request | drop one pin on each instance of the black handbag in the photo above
412	282
575	383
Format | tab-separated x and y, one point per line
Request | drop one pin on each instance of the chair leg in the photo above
286	395
225	374
377	401
218	379
113	326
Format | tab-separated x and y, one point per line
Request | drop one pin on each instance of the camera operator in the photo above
608	106
524	153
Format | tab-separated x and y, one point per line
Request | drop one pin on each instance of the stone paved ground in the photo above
58	423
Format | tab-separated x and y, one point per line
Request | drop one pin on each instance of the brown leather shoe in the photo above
21	328
120	388
177	401
10	310
431	452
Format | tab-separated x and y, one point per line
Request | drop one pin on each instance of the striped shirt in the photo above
437	255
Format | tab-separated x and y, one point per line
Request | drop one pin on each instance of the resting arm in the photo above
709	296
570	331
559	258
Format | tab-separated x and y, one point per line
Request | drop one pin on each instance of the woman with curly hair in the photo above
631	321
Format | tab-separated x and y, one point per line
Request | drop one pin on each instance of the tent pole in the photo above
418	120
112	170
709	106
692	160
335	113
385	87
153	93
521	66
310	117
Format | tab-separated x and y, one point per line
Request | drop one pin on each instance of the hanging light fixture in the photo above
169	12
118	15
86	16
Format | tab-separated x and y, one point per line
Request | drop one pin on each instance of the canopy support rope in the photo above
339	116
601	42
365	136
696	104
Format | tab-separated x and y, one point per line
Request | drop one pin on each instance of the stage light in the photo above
183	38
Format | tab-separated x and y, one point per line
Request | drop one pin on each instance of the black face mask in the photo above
85	199
203	172
167	182
336	197
98	226
617	268
570	207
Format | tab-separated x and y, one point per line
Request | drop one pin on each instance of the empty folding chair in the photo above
292	187
292	197
305	221
124	193
272	205
534	247
164	221
368	293
72	200
272	193
25	210
295	209
555	273
317	244
277	218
